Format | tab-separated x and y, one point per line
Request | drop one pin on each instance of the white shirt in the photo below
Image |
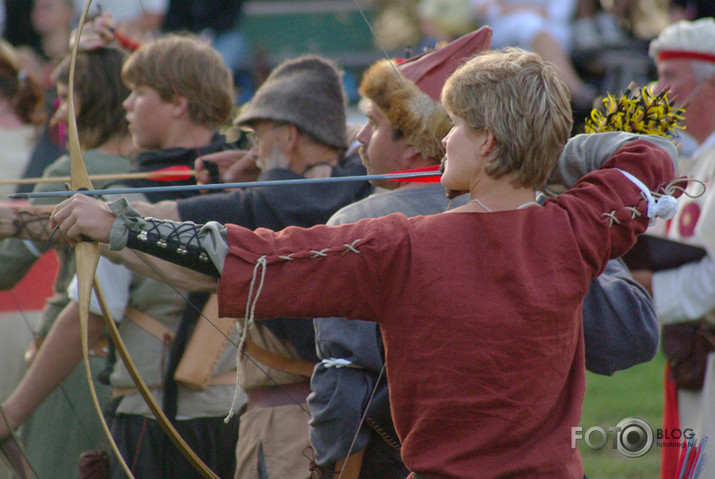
114	280
688	292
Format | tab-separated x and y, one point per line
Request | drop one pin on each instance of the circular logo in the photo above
634	437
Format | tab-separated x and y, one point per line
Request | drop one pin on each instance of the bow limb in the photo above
86	258
86	253
13	453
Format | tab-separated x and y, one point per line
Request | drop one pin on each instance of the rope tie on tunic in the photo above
319	254
660	205
350	248
248	321
612	218
252	300
674	186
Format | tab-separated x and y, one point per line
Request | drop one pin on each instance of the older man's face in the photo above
265	144
677	75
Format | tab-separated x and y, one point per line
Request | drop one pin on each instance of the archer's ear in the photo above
411	158
288	136
180	105
488	143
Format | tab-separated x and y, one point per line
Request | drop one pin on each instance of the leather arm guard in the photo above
28	223
177	242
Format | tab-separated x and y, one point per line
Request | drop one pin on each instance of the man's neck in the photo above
312	156
191	137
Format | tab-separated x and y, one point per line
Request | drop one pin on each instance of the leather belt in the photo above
299	367
225	379
274	396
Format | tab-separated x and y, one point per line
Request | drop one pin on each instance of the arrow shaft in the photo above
221	186
112	176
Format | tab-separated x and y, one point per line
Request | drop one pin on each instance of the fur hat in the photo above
408	93
306	92
688	40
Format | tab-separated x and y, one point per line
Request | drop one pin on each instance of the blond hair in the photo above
523	102
186	66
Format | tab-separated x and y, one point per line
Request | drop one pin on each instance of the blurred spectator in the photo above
52	20
49	147
218	21
18	29
542	26
595	27
59	431
691	9
685	56
134	18
21	115
397	24
444	20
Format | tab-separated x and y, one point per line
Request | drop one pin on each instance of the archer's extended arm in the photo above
201	248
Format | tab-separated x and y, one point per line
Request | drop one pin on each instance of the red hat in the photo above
410	99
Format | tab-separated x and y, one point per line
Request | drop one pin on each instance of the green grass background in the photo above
637	391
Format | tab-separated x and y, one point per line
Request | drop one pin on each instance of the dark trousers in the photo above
150	454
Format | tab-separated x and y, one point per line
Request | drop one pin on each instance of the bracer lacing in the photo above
178	243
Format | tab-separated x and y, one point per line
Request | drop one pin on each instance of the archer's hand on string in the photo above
233	166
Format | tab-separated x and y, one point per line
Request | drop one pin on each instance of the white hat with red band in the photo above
686	40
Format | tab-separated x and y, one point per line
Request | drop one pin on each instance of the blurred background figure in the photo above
442	21
691	9
21	119
217	21
52	20
214	20
541	26
134	19
596	27
683	296
16	25
22	115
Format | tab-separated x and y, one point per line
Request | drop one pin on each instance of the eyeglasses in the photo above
250	135
254	140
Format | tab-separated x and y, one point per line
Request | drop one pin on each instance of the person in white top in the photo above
135	19
685	56
22	115
542	26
